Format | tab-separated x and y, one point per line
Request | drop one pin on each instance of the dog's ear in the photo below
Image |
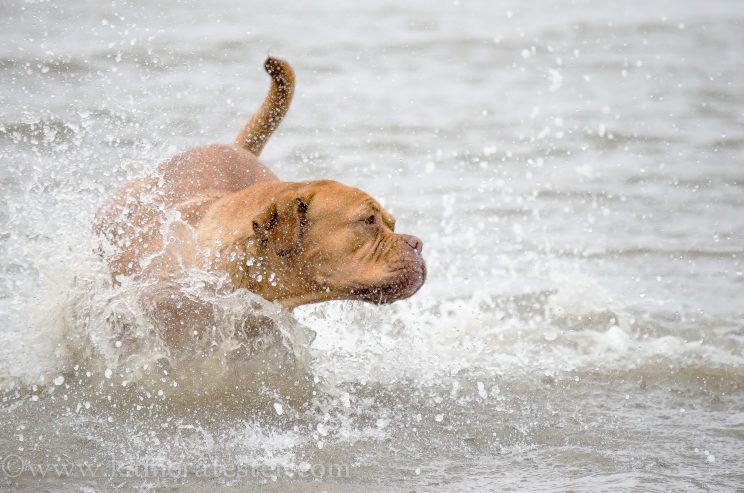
280	224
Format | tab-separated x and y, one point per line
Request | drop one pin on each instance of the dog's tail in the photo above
268	117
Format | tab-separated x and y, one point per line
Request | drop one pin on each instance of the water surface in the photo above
574	169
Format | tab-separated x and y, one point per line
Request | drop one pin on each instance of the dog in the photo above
218	208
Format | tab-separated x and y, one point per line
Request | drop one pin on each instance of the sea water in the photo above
573	168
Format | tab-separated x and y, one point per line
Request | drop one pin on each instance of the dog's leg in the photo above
178	317
262	124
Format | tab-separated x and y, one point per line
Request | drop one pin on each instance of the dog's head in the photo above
330	241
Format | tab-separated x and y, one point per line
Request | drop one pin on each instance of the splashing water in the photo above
573	171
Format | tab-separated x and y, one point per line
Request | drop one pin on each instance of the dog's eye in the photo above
370	219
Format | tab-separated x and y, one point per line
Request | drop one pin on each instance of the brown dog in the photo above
220	209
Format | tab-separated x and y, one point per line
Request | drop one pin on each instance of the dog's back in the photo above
131	223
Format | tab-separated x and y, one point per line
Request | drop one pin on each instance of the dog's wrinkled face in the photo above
341	244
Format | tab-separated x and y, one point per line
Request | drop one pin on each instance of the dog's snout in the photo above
414	242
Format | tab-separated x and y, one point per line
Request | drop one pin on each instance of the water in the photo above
574	169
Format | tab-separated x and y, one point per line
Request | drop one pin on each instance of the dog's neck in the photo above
250	263
255	267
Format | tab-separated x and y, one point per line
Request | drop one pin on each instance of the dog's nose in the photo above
414	242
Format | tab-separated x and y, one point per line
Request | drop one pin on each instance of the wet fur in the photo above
219	208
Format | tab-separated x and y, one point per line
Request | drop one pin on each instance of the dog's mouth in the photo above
403	283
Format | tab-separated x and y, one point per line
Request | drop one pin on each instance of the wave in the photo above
574	331
99	334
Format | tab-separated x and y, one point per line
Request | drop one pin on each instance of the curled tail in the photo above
262	124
